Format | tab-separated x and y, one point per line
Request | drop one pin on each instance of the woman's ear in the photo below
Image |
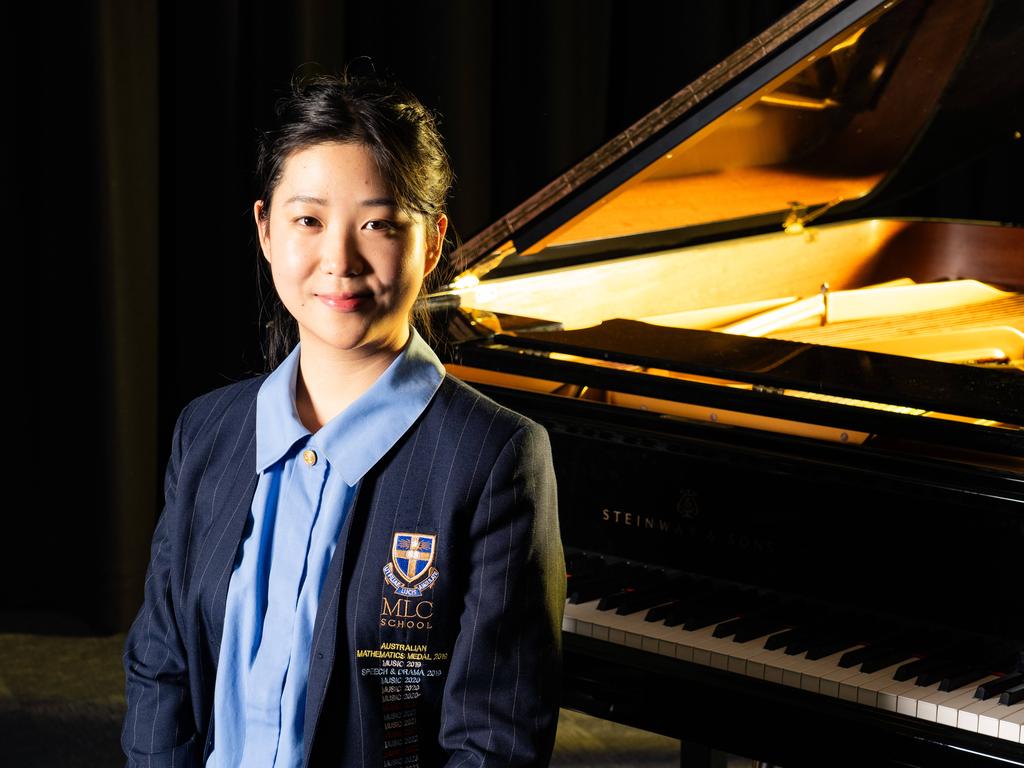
435	244
262	228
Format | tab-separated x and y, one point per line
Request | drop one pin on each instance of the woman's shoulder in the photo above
462	409
236	400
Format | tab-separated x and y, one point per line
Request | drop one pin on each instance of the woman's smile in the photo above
346	302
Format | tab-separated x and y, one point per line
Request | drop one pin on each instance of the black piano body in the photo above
759	395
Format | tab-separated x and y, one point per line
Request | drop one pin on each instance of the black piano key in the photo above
698	598
614	600
924	667
799	645
995	687
941	671
885	658
608	580
705	618
858	656
909	670
815	633
719	606
637	582
1013	696
674	613
882	651
727	628
946	661
784	638
828	647
642	599
756	629
659	612
960	679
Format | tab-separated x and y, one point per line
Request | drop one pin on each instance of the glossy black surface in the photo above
530	355
959	389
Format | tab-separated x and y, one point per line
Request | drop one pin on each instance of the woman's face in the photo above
346	261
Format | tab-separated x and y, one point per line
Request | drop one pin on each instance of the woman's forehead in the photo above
333	169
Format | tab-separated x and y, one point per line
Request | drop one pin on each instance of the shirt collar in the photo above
358	437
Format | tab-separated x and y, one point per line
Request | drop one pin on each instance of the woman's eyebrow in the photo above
371	203
305	199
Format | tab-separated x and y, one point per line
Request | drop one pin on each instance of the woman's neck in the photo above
329	380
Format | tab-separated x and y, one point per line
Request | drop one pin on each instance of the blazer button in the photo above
309	456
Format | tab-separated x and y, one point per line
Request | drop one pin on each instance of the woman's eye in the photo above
307	221
379	224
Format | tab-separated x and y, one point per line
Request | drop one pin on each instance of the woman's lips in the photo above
344	302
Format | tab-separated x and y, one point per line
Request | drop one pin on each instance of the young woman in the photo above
358	562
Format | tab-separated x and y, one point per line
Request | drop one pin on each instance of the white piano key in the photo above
782	668
991	722
967	717
866	685
854	687
955	708
741	653
907	702
888	697
928	706
767	665
1011	725
831	680
949	710
812	672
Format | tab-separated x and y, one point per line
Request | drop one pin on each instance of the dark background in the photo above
132	235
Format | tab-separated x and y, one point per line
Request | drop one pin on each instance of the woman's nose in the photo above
340	257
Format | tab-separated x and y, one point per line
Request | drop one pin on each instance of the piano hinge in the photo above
800	215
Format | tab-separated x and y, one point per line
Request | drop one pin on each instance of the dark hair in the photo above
398	130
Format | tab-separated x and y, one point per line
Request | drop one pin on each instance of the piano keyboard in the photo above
942	690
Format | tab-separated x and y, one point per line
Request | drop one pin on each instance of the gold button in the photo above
309	456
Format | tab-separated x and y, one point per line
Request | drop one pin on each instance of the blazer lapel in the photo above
233	500
325	626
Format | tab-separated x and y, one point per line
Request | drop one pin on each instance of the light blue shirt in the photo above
297	512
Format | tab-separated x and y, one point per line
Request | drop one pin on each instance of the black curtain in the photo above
135	153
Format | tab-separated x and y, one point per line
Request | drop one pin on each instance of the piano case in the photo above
775	417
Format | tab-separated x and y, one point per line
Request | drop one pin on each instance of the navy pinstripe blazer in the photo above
464	673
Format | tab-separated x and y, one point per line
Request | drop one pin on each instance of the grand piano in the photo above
788	433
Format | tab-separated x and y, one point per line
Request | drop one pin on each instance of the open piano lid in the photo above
813	115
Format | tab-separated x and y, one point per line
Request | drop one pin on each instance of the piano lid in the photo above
812	115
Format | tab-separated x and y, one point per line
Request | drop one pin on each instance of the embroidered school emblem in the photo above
411	570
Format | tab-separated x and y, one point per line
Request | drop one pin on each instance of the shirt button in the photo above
309	456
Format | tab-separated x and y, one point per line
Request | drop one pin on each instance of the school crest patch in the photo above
411	568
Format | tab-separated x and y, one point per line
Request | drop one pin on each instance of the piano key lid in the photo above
811	117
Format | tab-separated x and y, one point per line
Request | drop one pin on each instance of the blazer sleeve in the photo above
159	728
501	697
